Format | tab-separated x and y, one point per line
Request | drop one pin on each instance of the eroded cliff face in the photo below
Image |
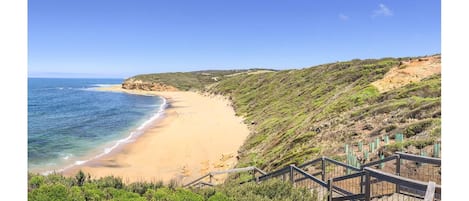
147	86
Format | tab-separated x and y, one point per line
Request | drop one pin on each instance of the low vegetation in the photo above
57	187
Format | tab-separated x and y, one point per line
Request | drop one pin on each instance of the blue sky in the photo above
116	38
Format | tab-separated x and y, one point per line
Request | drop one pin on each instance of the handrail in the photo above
196	180
341	191
322	183
402	181
245	169
342	164
350	197
389	158
349	176
422	159
310	162
204	183
275	173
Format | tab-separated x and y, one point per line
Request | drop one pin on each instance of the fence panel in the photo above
420	168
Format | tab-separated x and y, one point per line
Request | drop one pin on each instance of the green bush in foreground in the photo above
57	187
271	190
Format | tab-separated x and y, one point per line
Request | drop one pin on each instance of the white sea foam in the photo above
103	85
131	137
80	162
138	131
94	87
67	157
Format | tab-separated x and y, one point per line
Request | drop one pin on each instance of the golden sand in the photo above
199	133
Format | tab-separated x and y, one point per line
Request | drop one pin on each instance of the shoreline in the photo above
110	147
195	134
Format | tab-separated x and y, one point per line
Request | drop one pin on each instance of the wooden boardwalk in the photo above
399	177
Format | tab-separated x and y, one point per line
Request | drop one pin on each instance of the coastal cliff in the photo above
147	86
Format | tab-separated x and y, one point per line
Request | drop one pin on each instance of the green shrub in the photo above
54	192
269	190
80	178
417	128
110	181
92	192
142	187
218	196
187	195
166	194
76	194
120	194
36	181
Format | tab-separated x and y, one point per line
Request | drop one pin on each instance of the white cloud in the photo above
382	11
343	17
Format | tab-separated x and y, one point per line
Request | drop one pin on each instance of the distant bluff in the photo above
147	85
183	81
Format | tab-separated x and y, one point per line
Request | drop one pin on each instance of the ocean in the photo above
70	122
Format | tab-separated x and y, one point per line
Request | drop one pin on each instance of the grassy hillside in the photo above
298	115
192	80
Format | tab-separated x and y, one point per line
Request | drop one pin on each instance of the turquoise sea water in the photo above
70	122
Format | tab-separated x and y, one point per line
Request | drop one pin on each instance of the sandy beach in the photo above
199	133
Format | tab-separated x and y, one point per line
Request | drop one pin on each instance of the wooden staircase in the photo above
400	176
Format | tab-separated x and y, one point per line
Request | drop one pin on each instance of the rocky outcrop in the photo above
147	86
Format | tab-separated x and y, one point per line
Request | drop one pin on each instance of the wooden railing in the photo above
199	181
334	180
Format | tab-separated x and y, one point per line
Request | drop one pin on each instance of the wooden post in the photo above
367	187
323	169
398	171
362	179
210	178
254	175
292	179
257	178
329	188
